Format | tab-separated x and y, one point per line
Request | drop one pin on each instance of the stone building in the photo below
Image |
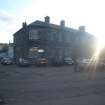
55	41
3	50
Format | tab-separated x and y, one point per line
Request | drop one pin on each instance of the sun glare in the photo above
100	44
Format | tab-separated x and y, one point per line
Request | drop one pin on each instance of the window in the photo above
33	34
54	35
33	51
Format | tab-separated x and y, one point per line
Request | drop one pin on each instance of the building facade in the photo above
55	41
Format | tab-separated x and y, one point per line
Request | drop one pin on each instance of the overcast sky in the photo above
75	13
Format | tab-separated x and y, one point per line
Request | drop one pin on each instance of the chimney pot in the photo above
24	24
82	28
62	23
47	19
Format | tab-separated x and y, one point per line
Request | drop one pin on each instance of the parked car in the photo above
101	63
32	60
42	62
87	64
23	62
68	61
7	61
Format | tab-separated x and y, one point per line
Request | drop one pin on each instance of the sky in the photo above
89	13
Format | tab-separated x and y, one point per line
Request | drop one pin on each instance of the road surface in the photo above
51	86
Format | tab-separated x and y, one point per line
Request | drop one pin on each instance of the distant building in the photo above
10	50
56	41
3	50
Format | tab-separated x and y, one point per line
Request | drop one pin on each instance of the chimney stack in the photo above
24	24
47	19
62	23
82	28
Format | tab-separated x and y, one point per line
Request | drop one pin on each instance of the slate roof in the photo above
38	23
54	26
50	25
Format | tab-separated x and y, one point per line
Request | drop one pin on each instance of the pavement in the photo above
51	86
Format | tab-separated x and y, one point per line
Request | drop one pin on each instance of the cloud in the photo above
9	24
5	17
74	12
